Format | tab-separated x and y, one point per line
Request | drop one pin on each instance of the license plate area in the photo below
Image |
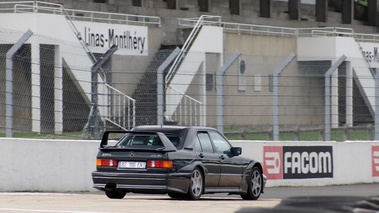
131	165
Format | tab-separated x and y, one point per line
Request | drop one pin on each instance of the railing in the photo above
281	31
337	31
187	44
189	111
121	109
240	28
81	15
343	32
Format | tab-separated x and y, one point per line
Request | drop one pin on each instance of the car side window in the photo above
221	144
197	145
205	142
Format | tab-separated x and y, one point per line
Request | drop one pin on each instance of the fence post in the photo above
270	134
296	134
244	134
277	72
220	90
376	105
93	119
346	132
369	132
161	85
327	95
322	133
9	82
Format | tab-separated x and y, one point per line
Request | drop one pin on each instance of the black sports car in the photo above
184	162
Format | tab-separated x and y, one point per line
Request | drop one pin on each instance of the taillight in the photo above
106	162
165	164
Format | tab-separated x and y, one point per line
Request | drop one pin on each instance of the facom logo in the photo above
272	162
307	162
375	161
298	162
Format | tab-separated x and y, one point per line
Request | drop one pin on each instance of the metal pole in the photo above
220	90
161	85
376	105
277	72
327	95
9	82
93	122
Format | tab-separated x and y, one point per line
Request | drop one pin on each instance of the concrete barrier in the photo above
65	165
47	165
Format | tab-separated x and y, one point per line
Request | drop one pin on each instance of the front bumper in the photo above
141	182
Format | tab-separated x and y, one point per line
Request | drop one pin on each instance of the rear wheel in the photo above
255	185
115	194
195	189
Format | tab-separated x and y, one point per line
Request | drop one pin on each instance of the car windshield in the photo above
145	141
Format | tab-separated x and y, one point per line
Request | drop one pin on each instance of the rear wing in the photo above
165	141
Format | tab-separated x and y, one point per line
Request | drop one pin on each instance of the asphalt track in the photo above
276	199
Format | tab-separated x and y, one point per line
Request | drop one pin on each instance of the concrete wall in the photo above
46	165
263	54
49	165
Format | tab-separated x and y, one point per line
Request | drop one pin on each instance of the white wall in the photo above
46	165
62	165
352	161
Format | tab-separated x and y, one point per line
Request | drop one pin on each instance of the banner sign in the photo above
298	162
99	37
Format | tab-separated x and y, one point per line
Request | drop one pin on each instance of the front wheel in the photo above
255	185
115	194
195	189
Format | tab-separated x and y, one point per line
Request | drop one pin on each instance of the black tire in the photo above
177	195
115	194
195	189
255	185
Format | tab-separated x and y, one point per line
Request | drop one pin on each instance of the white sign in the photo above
99	37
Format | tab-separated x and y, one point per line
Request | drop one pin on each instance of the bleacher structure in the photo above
189	97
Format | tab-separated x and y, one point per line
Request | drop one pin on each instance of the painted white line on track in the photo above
41	210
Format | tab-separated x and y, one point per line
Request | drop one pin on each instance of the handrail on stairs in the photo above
122	110
187	44
189	111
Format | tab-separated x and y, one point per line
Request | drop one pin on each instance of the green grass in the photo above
69	135
336	135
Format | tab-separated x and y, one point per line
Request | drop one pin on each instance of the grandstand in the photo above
258	64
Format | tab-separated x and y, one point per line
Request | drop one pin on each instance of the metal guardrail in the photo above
189	111
79	15
121	109
337	31
187	44
281	31
178	113
343	32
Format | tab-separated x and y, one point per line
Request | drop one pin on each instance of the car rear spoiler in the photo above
165	141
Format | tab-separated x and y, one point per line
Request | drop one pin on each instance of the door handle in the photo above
201	155
222	157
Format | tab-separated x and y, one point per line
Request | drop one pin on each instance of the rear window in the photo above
146	141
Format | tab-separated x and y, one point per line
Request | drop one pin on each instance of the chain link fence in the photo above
52	96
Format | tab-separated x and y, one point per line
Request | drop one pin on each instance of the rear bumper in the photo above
141	182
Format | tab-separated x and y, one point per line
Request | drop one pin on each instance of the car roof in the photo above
157	128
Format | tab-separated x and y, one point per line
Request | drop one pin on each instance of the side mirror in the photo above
236	151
